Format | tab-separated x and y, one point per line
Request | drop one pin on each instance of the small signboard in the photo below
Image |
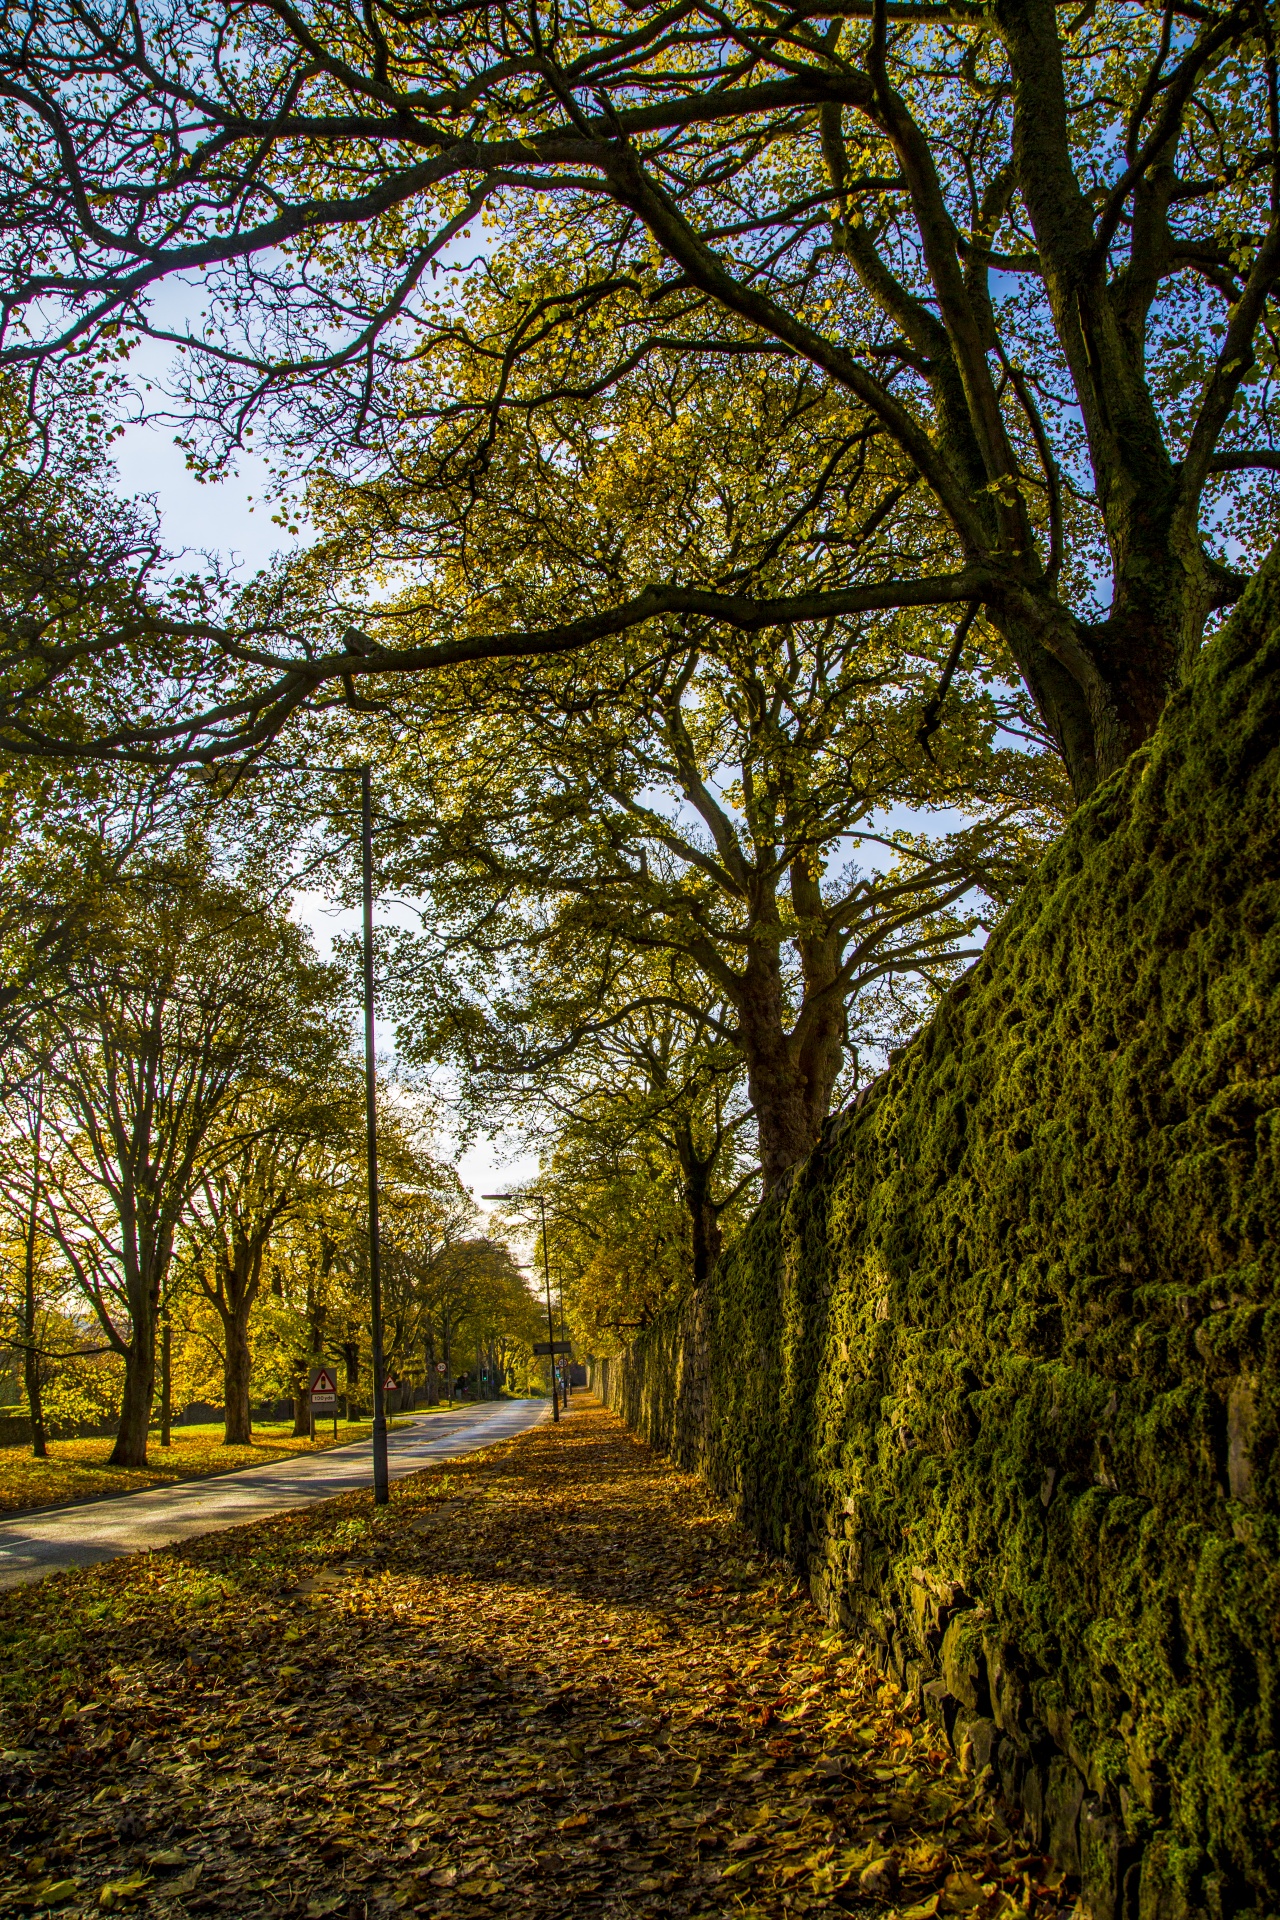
324	1391
390	1384
545	1347
439	1366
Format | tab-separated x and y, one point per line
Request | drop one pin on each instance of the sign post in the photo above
324	1397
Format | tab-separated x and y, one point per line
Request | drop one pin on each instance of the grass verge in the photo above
79	1469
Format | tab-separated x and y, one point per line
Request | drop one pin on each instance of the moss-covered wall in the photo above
997	1365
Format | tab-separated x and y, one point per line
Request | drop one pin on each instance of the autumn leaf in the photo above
119	1893
393	1762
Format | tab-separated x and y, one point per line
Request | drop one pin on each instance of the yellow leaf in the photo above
574	1821
487	1810
960	1892
117	1893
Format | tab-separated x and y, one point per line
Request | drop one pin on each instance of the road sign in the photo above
390	1384
439	1366
324	1391
545	1347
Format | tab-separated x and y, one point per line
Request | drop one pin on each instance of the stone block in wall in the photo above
977	1743
964	1666
1031	1796
1104	1860
1012	1768
939	1705
1007	1691
1064	1797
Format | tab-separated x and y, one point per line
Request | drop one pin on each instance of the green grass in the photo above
79	1469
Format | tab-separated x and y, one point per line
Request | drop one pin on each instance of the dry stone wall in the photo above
997	1366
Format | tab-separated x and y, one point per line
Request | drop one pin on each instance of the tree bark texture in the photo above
166	1381
790	1073
146	1264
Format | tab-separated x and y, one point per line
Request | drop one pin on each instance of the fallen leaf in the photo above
880	1877
53	1893
586	1713
960	1891
119	1893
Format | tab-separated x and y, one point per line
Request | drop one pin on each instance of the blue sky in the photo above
219	519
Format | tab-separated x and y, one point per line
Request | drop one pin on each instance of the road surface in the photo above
34	1544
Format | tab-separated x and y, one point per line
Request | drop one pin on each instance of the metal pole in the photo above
371	1126
551	1325
564	1336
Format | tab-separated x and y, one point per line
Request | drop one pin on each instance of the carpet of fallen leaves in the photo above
551	1676
80	1469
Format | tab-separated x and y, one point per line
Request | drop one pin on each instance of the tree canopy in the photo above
1031	253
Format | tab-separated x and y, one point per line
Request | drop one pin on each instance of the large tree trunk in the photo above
130	1449
236	1369
239	1279
790	1075
1164	583
166	1381
149	1265
704	1221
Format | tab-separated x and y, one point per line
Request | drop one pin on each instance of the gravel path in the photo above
34	1544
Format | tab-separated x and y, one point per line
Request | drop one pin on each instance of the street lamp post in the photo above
564	1336
546	1274
551	1325
380	1487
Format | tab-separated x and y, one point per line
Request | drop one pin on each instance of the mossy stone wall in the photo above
997	1367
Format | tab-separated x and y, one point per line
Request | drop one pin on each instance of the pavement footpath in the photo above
549	1681
35	1544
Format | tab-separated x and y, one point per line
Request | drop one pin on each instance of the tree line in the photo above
183	1201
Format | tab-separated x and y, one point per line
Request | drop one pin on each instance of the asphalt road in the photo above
32	1545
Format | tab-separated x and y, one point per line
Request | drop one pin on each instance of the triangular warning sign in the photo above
324	1381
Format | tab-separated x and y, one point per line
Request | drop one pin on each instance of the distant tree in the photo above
259	1162
727	807
177	994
